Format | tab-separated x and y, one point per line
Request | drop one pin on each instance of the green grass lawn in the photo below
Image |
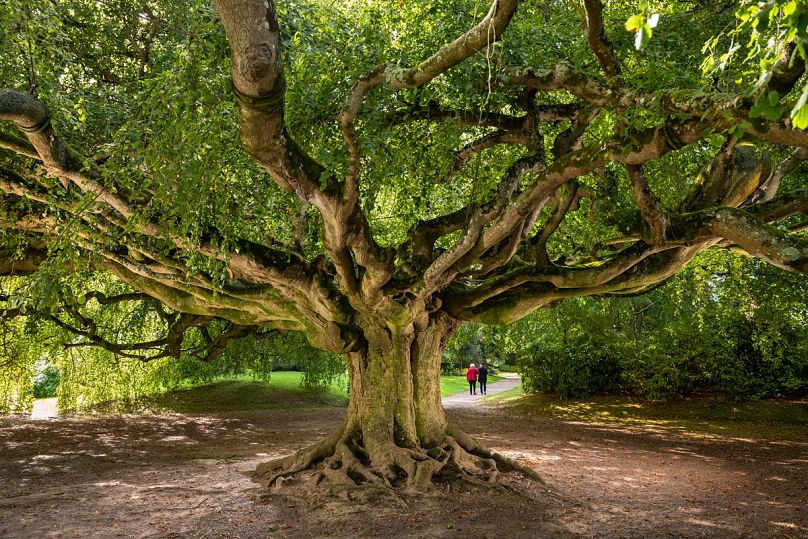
242	392
706	416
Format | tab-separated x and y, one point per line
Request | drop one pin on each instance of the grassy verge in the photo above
242	392
449	385
767	419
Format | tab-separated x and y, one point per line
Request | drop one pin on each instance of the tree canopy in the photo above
391	170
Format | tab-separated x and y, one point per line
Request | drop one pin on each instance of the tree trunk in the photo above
396	433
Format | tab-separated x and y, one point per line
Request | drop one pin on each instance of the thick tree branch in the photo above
784	205
571	138
475	242
18	147
513	295
488	31
433	111
502	217
168	346
768	190
788	70
720	111
346	119
485	142
650	207
733	176
538	244
597	40
258	80
753	235
31	117
636	268
21	262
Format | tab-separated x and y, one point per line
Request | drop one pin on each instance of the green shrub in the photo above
589	366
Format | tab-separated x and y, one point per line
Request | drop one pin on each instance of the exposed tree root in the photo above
365	471
268	473
474	447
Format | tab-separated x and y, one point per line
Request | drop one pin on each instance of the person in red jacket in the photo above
471	376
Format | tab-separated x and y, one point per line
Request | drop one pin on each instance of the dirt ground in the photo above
187	476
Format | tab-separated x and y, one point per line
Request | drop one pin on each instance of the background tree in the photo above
726	324
407	168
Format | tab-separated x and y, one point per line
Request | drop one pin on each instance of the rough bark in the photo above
396	434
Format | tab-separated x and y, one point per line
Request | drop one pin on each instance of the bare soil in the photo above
177	475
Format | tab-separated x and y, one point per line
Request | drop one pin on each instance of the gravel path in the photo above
464	400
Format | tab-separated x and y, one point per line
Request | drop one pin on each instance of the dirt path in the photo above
45	408
464	400
187	476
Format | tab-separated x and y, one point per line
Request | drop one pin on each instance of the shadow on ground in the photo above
176	475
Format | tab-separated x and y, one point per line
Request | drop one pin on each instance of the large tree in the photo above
467	175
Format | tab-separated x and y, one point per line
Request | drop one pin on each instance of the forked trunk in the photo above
395	388
396	433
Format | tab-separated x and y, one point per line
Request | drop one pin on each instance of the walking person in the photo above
482	377
471	376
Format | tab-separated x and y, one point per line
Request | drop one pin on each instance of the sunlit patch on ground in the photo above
788	525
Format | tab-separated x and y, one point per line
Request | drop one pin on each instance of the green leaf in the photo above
799	114
768	107
634	23
642	37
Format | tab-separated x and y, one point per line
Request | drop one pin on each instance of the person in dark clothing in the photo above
482	377
471	376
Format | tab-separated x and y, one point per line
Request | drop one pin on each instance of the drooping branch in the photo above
33	119
84	326
280	306
168	346
110	215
